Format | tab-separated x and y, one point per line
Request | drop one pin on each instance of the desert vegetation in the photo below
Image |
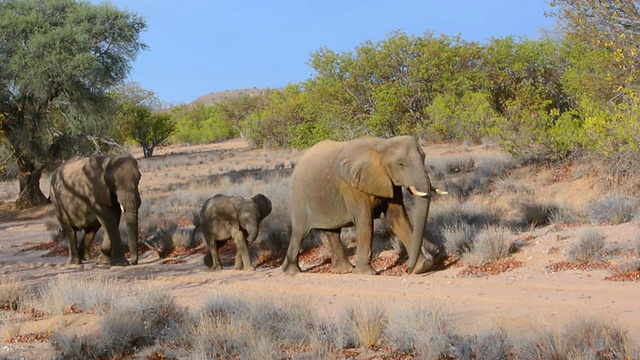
141	322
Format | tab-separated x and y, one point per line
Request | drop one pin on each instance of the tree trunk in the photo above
29	179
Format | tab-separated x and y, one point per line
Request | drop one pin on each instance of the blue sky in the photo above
201	46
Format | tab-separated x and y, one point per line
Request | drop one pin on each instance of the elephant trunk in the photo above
419	215
130	205
132	236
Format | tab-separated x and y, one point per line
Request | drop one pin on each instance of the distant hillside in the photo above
215	97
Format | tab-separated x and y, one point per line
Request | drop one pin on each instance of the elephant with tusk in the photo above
339	184
90	193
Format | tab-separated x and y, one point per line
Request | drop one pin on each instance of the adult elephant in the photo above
90	193
224	218
338	184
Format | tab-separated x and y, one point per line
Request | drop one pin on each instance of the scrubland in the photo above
543	263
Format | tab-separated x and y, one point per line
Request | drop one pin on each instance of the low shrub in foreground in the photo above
586	339
12	293
589	249
492	245
247	326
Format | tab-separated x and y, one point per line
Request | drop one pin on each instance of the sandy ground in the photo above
520	300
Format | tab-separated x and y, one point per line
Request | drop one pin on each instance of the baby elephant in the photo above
232	217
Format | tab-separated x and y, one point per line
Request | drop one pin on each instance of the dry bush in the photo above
614	209
452	211
79	293
589	249
490	345
230	337
459	238
536	213
12	293
420	328
365	324
492	245
588	339
225	328
630	267
509	185
566	214
137	319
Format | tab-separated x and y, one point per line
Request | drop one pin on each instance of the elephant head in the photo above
117	180
381	168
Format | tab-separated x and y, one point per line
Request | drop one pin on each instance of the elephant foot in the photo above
291	268
364	270
208	260
242	267
423	265
133	261
74	261
342	267
120	262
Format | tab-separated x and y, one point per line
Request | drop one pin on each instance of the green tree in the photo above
147	128
58	60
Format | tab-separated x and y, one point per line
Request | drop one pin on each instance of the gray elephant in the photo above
338	184
224	218
90	193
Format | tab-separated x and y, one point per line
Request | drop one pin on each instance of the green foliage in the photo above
59	59
146	128
197	123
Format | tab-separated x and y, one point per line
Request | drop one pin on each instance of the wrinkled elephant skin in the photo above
91	193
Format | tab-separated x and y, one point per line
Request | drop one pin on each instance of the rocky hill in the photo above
218	96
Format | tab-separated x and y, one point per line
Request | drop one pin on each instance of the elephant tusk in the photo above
417	192
441	192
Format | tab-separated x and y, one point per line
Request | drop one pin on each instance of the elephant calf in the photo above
223	218
90	193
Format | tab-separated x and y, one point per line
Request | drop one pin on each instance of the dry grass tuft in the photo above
492	245
12	293
614	209
79	293
366	323
589	338
420	328
136	319
589	249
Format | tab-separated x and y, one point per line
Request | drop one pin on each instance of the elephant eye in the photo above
401	164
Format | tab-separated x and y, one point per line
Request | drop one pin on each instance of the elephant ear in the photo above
360	167
95	170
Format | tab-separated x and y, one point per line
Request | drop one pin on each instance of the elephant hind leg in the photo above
84	248
339	262
290	264
74	258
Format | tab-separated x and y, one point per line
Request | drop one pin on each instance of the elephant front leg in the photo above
339	262
112	249
243	260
